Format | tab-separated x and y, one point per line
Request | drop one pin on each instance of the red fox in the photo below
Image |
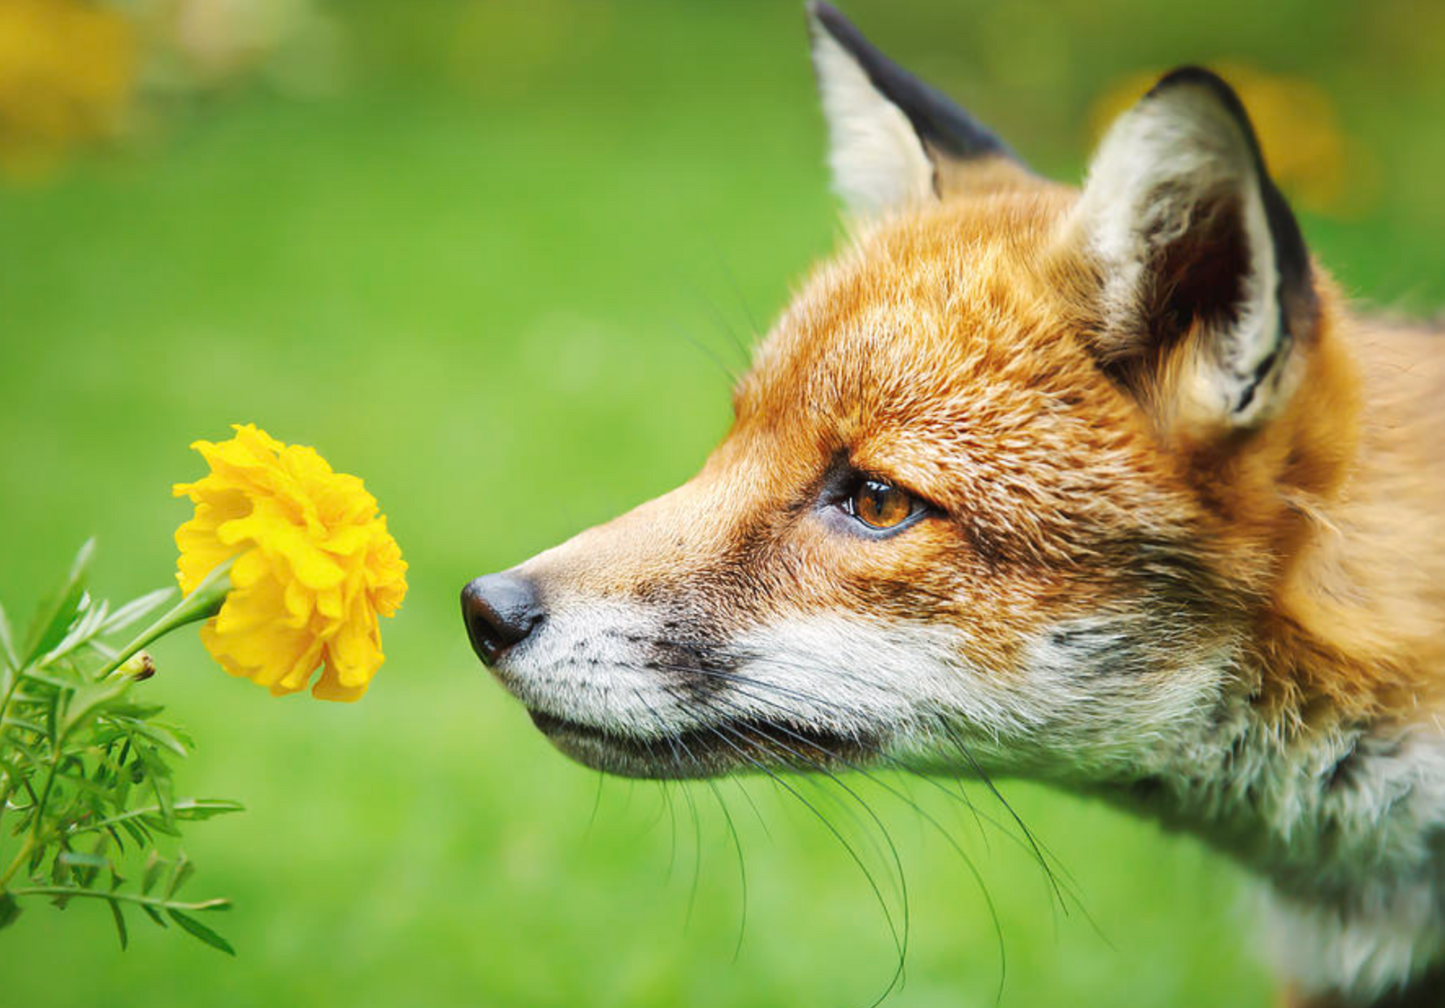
1101	486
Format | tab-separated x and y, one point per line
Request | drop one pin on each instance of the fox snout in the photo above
500	611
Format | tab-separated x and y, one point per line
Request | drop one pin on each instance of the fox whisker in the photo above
900	939
1036	849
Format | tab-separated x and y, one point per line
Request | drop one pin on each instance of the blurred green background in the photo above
497	258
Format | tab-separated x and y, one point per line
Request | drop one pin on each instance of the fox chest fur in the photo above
1102	486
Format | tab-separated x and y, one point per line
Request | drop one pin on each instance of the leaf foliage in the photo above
87	798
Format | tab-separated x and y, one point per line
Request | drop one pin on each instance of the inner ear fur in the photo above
1204	286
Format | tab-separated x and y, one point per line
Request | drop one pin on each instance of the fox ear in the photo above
893	139
1206	282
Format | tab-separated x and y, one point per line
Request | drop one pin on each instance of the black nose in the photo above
500	611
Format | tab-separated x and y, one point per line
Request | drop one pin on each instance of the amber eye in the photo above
881	505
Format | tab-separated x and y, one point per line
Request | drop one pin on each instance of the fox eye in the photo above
881	505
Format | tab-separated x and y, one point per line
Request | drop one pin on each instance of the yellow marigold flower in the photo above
314	565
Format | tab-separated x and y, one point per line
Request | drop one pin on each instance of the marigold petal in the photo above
330	604
271	660
313	568
250	434
355	651
328	687
250	568
200	554
350	540
300	604
251	608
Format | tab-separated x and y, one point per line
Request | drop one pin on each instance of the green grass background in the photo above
501	275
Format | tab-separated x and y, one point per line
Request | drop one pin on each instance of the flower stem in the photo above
25	849
150	901
203	603
10	686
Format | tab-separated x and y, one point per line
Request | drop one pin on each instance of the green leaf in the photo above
52	717
202	932
137	831
181	735
32	756
132	710
57	612
7	642
45	679
9	910
154	914
81	631
82	858
119	919
160	779
186	809
155	864
184	870
15	722
156	733
206	808
74	774
82	874
88	698
135	609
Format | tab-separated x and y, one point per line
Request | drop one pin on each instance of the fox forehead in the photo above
944	350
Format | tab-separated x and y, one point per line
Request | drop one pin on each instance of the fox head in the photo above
1009	485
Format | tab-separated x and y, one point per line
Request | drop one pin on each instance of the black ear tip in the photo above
824	13
1192	74
1206	80
825	17
934	117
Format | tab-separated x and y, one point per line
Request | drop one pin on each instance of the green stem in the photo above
37	822
211	806
10	688
25	849
12	685
203	603
151	901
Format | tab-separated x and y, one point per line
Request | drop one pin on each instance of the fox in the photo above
1105	486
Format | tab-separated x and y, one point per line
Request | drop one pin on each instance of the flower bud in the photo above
139	666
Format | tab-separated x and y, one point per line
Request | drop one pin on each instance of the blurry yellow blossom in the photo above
1307	151
314	565
67	71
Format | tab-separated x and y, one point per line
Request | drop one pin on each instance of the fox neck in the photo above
1323	811
1328	734
1323	766
1345	821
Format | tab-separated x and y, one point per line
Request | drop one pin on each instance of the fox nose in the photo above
500	610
